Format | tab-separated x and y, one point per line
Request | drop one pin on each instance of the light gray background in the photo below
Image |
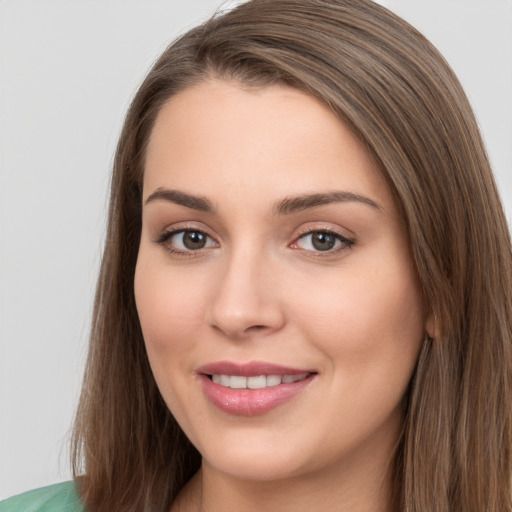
68	69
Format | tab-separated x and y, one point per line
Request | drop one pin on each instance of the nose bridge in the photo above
244	301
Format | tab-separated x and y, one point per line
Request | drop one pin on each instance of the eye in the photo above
185	240
322	241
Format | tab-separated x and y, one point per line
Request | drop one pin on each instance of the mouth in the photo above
254	388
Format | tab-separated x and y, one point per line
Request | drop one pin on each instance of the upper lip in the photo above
252	369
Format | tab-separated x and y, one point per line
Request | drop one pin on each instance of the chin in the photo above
257	468
255	458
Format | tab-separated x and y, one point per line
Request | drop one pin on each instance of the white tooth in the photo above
273	380
287	379
257	382
225	380
216	379
237	382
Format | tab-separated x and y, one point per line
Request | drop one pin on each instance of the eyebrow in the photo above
308	201
286	206
199	203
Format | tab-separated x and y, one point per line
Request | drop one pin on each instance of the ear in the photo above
432	327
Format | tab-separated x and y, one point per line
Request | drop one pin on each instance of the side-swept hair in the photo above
392	88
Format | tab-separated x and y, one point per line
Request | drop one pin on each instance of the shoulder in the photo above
54	498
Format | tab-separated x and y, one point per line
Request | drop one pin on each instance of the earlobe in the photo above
432	327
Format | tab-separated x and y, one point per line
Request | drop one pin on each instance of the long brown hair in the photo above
397	94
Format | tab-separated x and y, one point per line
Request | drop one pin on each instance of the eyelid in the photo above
312	227
182	226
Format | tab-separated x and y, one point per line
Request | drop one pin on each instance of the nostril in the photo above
256	328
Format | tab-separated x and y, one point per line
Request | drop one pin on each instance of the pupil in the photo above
323	241
194	240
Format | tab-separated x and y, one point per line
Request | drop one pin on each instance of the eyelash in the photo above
166	236
345	243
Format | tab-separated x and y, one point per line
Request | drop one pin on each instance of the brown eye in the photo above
194	240
185	241
323	241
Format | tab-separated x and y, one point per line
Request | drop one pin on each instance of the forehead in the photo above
273	141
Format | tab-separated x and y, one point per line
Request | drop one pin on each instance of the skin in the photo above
259	290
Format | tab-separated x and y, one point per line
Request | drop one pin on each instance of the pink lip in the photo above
250	402
252	369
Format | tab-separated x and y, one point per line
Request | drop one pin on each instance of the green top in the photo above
54	498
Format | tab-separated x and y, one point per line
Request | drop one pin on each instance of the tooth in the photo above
257	382
238	382
273	380
288	379
225	380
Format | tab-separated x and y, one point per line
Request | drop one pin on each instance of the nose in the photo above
246	298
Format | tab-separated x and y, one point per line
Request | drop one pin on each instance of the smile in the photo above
253	388
255	382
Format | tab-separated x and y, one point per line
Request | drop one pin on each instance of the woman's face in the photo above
277	297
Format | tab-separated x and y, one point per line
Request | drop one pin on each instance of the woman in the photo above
304	299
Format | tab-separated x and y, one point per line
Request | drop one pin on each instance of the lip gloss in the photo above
251	402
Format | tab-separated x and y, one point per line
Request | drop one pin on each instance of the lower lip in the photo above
251	402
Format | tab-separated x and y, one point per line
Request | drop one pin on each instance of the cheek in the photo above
169	306
370	332
366	318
